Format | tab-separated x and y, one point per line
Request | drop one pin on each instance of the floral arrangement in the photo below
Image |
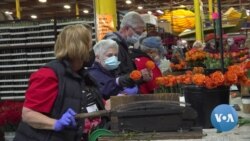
236	74
136	74
195	57
179	66
213	60
10	114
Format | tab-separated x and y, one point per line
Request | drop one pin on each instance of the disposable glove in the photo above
67	120
131	91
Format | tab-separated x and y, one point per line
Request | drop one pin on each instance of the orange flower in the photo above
172	80
243	80
231	77
218	78
150	65
209	83
198	79
135	75
247	66
159	81
187	79
237	69
198	70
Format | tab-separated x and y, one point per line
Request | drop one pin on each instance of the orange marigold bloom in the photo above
198	79
150	65
218	78
135	75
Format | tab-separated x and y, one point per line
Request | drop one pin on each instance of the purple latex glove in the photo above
67	120
131	91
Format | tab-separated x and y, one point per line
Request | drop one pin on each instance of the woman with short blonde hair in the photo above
58	91
76	50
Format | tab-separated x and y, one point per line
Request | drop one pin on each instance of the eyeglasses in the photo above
134	30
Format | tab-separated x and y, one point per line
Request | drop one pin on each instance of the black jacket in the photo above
104	80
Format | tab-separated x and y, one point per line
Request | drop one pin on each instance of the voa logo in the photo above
224	118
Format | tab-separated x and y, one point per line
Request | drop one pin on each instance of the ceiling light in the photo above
33	16
160	11
8	12
67	6
42	1
248	12
140	7
182	6
150	12
86	11
128	1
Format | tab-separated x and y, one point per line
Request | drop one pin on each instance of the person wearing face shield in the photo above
103	71
131	28
150	49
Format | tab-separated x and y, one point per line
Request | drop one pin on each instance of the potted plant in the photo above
10	115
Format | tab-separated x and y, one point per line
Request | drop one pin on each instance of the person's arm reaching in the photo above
37	120
40	121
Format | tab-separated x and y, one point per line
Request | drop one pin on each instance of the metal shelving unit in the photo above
25	46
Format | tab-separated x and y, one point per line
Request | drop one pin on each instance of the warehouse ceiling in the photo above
55	8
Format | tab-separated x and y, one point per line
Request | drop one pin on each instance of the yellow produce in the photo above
180	19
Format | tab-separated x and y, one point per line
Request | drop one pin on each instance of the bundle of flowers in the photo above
136	74
10	114
178	66
195	57
213	60
236	74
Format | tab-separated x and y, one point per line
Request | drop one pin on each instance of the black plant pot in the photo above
204	100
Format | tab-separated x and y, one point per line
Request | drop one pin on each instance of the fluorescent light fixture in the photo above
140	7
42	1
150	12
160	11
86	11
33	16
67	6
8	12
248	12
128	1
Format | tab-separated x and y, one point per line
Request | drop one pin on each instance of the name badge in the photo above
92	108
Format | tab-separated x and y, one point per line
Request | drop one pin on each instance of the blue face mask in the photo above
111	63
133	39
